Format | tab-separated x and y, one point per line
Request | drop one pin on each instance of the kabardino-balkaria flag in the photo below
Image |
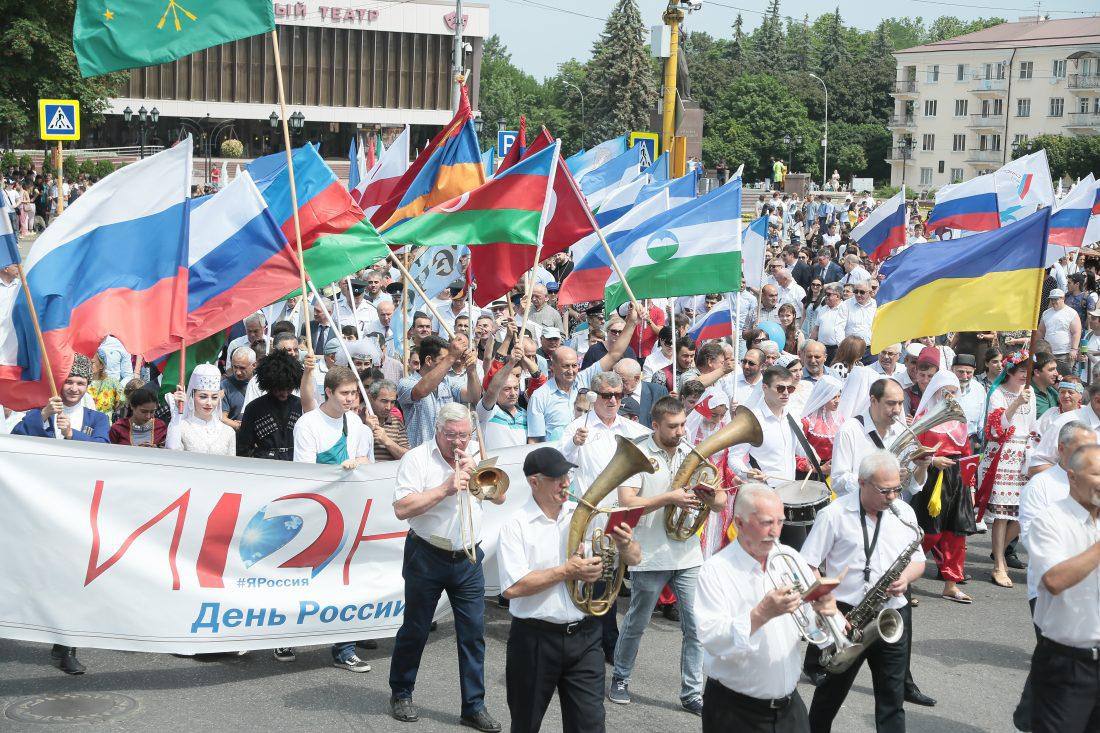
110	35
692	249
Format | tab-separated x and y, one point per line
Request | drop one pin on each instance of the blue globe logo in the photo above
263	536
662	245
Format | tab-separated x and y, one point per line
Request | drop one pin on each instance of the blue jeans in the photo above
645	588
428	573
343	650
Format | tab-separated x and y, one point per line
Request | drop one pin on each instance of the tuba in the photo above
697	470
627	461
907	446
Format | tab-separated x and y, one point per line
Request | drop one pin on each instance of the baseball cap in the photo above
914	350
550	332
1056	293
552	287
547	461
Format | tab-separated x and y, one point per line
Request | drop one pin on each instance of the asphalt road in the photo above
973	659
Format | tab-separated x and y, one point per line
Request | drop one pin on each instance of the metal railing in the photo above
985	156
907	86
982	84
980	120
1083	81
1083	119
905	120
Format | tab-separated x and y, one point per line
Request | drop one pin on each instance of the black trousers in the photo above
888	664
1066	692
1023	708
540	661
725	711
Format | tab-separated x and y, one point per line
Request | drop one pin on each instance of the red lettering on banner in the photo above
210	565
324	11
95	570
336	14
360	538
326	544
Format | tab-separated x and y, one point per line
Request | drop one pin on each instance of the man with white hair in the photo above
255	329
829	328
646	393
242	365
789	291
1046	454
887	361
542	312
887	527
751	642
853	270
859	311
431	493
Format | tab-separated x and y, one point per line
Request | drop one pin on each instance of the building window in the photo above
928	141
960	107
1096	106
933	73
958	143
1020	139
929	108
926	176
1027	68
956	175
1058	71
1057	106
1023	108
1083	105
994	142
960	72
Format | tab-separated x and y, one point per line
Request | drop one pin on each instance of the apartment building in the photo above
962	104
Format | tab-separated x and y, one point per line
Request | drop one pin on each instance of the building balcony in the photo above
989	88
905	89
987	122
984	157
1083	83
900	154
1086	122
901	122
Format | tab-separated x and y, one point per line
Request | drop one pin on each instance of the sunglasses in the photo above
746	362
815	285
610	395
784	388
614	331
861	292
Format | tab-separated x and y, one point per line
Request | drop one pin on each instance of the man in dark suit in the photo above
321	329
801	271
646	393
827	270
66	418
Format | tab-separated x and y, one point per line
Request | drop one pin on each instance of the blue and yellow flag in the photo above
986	282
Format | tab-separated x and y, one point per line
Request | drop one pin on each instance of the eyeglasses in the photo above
456	436
861	292
760	339
888	491
815	285
614	331
610	395
784	388
746	362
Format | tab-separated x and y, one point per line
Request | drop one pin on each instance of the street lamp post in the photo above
824	140
206	139
144	117
581	93
295	122
905	150
791	143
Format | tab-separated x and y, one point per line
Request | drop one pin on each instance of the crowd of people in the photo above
870	461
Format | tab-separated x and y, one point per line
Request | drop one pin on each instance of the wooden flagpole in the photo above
37	330
420	291
405	313
290	175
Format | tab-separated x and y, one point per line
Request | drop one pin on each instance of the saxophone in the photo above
870	621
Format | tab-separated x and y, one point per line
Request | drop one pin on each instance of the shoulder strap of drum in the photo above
809	449
873	435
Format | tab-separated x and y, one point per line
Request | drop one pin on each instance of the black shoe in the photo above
915	696
433	627
369	644
1021	718
1014	562
481	720
671	612
402	709
65	659
284	654
815	678
502	601
695	707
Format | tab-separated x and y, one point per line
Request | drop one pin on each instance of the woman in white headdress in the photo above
196	424
944	508
710	414
821	420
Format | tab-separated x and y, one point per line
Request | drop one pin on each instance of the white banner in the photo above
154	550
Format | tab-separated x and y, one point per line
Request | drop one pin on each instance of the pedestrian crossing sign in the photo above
59	119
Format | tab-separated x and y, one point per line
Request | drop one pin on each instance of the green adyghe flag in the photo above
109	35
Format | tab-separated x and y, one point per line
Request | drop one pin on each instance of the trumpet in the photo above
816	628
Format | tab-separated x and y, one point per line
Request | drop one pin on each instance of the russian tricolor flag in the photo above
1070	220
883	231
715	324
970	206
113	263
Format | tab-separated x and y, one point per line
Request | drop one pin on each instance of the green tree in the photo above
738	49
36	55
1075	157
798	45
768	38
506	92
905	32
710	67
948	26
621	89
831	45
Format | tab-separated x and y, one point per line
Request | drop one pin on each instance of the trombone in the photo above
486	481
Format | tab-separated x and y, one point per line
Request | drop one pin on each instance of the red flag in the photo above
519	147
500	266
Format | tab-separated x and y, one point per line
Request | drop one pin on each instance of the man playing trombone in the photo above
442	553
745	609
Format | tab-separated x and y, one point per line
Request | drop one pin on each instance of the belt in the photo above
1075	652
449	554
778	703
564	629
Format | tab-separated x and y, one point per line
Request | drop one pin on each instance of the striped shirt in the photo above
395	429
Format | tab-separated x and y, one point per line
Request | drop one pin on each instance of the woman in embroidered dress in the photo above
944	507
1011	430
196	424
821	421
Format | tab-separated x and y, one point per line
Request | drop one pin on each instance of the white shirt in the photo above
655	362
837	541
775	455
594	456
830	324
1046	453
659	552
858	274
531	541
792	294
315	432
858	318
1044	489
972	401
852	443
1063	530
1058	324
765	664
423	468
500	429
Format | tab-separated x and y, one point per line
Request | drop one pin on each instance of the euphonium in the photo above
696	470
907	445
627	461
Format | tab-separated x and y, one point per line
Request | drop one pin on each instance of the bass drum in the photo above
802	500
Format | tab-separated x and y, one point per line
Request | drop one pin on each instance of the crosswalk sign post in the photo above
59	119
